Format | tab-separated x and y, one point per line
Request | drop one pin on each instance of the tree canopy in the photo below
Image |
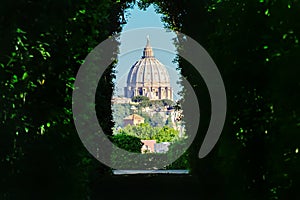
139	98
145	131
43	44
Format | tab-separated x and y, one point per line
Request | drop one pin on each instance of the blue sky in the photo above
138	19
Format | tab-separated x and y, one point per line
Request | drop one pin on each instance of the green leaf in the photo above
82	11
267	12
25	75
15	79
47	54
20	31
71	79
284	36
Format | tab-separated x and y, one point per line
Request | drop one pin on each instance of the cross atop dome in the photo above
148	41
148	52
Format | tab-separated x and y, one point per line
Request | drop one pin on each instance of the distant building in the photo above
148	146
133	119
148	77
162	147
120	100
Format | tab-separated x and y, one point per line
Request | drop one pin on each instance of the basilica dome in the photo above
148	77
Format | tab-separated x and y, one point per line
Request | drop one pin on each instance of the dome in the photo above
148	71
148	77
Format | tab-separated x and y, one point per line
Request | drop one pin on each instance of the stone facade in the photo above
133	119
